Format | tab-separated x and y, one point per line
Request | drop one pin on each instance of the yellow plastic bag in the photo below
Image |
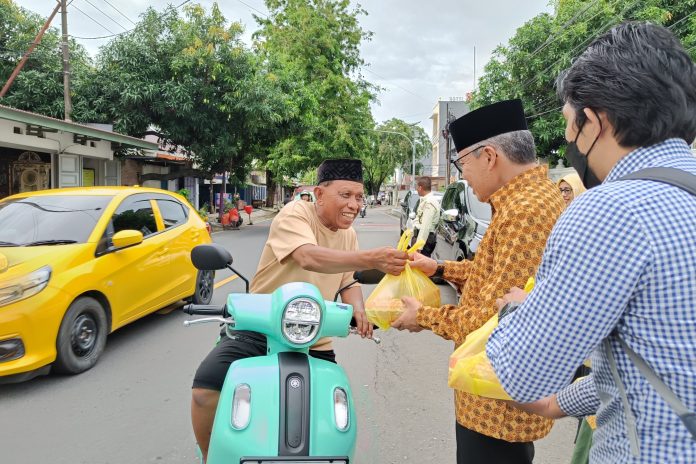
384	304
469	367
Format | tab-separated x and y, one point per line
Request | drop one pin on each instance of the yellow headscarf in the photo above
575	183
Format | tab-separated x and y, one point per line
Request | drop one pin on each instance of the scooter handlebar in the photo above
204	310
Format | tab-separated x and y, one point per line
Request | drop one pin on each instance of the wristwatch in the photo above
440	269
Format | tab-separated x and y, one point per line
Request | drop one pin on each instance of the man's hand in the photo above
545	407
516	295
362	324
389	260
426	265
407	320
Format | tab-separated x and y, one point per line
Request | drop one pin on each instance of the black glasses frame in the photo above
456	161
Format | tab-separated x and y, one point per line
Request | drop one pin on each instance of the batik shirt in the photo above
524	212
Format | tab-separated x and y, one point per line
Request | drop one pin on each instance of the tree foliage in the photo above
528	65
312	46
191	76
391	150
39	86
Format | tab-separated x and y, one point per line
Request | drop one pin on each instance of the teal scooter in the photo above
285	407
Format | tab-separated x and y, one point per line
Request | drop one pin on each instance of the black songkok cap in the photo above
340	169
486	122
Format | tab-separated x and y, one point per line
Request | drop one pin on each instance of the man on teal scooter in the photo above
307	242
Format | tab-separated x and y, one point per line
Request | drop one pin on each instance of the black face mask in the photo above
578	160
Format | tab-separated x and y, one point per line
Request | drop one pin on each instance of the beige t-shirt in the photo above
295	225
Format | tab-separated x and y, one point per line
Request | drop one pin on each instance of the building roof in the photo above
27	117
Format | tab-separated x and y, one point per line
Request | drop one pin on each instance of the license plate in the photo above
266	461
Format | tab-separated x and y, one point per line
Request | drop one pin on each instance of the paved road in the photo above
133	407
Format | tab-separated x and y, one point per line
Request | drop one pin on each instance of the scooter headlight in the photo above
341	414
241	406
301	320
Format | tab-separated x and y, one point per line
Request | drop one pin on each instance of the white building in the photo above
38	152
444	111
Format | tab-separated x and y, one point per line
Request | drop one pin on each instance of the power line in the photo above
88	16
121	33
106	15
571	53
119	11
564	29
545	112
396	85
553	98
255	9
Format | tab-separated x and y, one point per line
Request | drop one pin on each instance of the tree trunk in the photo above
212	195
270	189
223	191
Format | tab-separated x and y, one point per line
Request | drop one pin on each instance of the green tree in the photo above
191	76
389	150
39	86
312	46
527	66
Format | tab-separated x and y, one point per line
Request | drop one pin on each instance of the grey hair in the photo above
517	146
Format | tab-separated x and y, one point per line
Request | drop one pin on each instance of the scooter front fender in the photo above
262	435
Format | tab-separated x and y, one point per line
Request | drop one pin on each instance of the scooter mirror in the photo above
210	257
368	276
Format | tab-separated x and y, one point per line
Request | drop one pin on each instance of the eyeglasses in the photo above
457	161
566	190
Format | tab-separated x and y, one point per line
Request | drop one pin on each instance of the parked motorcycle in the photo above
286	406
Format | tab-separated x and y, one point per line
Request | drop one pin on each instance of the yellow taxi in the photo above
78	263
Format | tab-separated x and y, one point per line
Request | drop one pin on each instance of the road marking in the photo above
225	281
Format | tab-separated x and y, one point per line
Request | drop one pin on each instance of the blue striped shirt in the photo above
621	258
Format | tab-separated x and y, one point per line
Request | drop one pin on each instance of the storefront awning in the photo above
53	124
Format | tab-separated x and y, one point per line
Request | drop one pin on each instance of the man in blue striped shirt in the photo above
621	261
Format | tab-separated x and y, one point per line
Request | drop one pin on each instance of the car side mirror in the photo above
210	257
412	215
126	238
450	215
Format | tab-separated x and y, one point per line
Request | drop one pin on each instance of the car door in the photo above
480	215
446	232
182	235
404	211
135	278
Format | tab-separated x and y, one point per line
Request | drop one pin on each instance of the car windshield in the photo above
49	219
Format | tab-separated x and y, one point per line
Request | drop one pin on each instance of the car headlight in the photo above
301	320
25	286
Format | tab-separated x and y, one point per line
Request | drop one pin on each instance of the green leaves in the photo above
528	65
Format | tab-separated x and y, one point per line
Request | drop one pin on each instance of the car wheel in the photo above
81	337
205	282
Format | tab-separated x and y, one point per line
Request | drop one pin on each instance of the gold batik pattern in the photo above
524	212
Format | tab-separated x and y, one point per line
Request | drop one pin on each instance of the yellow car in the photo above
78	263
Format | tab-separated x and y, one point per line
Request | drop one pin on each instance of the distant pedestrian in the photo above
427	216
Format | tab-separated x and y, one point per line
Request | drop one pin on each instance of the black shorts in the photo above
243	344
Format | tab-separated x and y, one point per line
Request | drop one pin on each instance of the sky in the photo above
420	51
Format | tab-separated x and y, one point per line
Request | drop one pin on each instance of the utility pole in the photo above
66	61
445	134
37	40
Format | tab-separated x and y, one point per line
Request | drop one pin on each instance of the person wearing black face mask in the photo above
619	268
579	161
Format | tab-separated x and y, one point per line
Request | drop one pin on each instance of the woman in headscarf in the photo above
571	187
